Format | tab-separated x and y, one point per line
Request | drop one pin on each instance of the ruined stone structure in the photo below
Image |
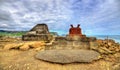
74	40
38	33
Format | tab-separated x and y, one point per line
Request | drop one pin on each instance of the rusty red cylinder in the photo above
75	30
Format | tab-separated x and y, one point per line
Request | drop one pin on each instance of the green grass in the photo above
19	34
12	33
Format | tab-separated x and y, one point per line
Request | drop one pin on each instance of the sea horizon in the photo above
113	37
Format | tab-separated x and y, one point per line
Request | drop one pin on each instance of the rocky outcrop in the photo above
68	56
12	45
37	45
106	46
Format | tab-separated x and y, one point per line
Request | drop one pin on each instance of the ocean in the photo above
114	37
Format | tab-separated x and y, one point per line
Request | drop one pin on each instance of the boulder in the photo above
12	46
37	44
68	56
42	48
25	47
116	67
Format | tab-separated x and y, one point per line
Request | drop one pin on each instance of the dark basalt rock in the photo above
68	56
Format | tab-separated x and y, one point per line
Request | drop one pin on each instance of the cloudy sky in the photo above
95	16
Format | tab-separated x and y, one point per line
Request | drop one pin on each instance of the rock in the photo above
40	32
9	46
110	44
59	38
92	39
107	46
93	45
116	67
40	48
37	44
25	47
68	56
12	46
104	50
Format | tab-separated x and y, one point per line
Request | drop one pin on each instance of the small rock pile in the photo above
37	45
107	46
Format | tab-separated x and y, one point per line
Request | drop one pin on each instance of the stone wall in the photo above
41	37
64	43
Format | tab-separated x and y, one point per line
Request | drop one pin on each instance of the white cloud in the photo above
107	11
59	14
36	11
4	25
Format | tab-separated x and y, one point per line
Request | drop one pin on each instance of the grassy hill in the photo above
11	33
18	33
